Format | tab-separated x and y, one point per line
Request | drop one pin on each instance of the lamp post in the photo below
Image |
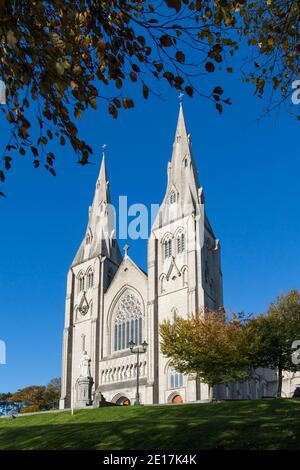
137	349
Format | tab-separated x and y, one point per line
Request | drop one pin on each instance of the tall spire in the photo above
183	186
101	227
183	174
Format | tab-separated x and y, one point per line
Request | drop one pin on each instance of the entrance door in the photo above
123	401
177	399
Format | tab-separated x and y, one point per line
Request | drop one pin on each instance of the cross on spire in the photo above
126	248
180	96
103	149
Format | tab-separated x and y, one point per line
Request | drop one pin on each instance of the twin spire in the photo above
182	171
102	186
181	129
101	228
182	178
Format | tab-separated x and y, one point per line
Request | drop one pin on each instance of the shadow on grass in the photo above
264	424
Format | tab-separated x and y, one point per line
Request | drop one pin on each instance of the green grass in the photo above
261	424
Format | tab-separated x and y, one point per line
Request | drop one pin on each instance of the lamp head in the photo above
131	345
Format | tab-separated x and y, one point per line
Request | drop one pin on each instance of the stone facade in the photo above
110	300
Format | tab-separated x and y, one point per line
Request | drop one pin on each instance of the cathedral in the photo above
112	304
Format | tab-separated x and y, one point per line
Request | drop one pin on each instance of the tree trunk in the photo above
279	386
211	392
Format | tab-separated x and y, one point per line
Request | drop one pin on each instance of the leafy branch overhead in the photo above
61	57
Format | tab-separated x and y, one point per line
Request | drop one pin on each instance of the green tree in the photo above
275	333
39	397
216	349
5	396
61	57
34	395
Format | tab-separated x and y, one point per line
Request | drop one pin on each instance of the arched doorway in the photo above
124	401
177	399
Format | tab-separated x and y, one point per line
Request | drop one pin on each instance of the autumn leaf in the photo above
218	90
166	40
176	4
77	113
189	90
169	76
7	163
34	151
180	56
145	91
219	108
51	58
128	103
141	40
119	83
112	110
136	68
117	102
210	67
133	76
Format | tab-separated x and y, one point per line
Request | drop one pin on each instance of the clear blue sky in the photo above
250	173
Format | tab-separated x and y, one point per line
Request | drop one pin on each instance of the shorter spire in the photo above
181	134
101	227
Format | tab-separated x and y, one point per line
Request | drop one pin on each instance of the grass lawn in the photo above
261	424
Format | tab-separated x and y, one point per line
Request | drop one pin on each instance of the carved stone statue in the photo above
85	369
84	383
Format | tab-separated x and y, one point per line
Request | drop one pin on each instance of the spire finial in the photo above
103	150
181	95
126	248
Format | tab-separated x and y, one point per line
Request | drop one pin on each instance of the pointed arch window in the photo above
180	243
81	282
172	197
184	277
128	325
162	284
168	248
88	239
90	279
174	313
